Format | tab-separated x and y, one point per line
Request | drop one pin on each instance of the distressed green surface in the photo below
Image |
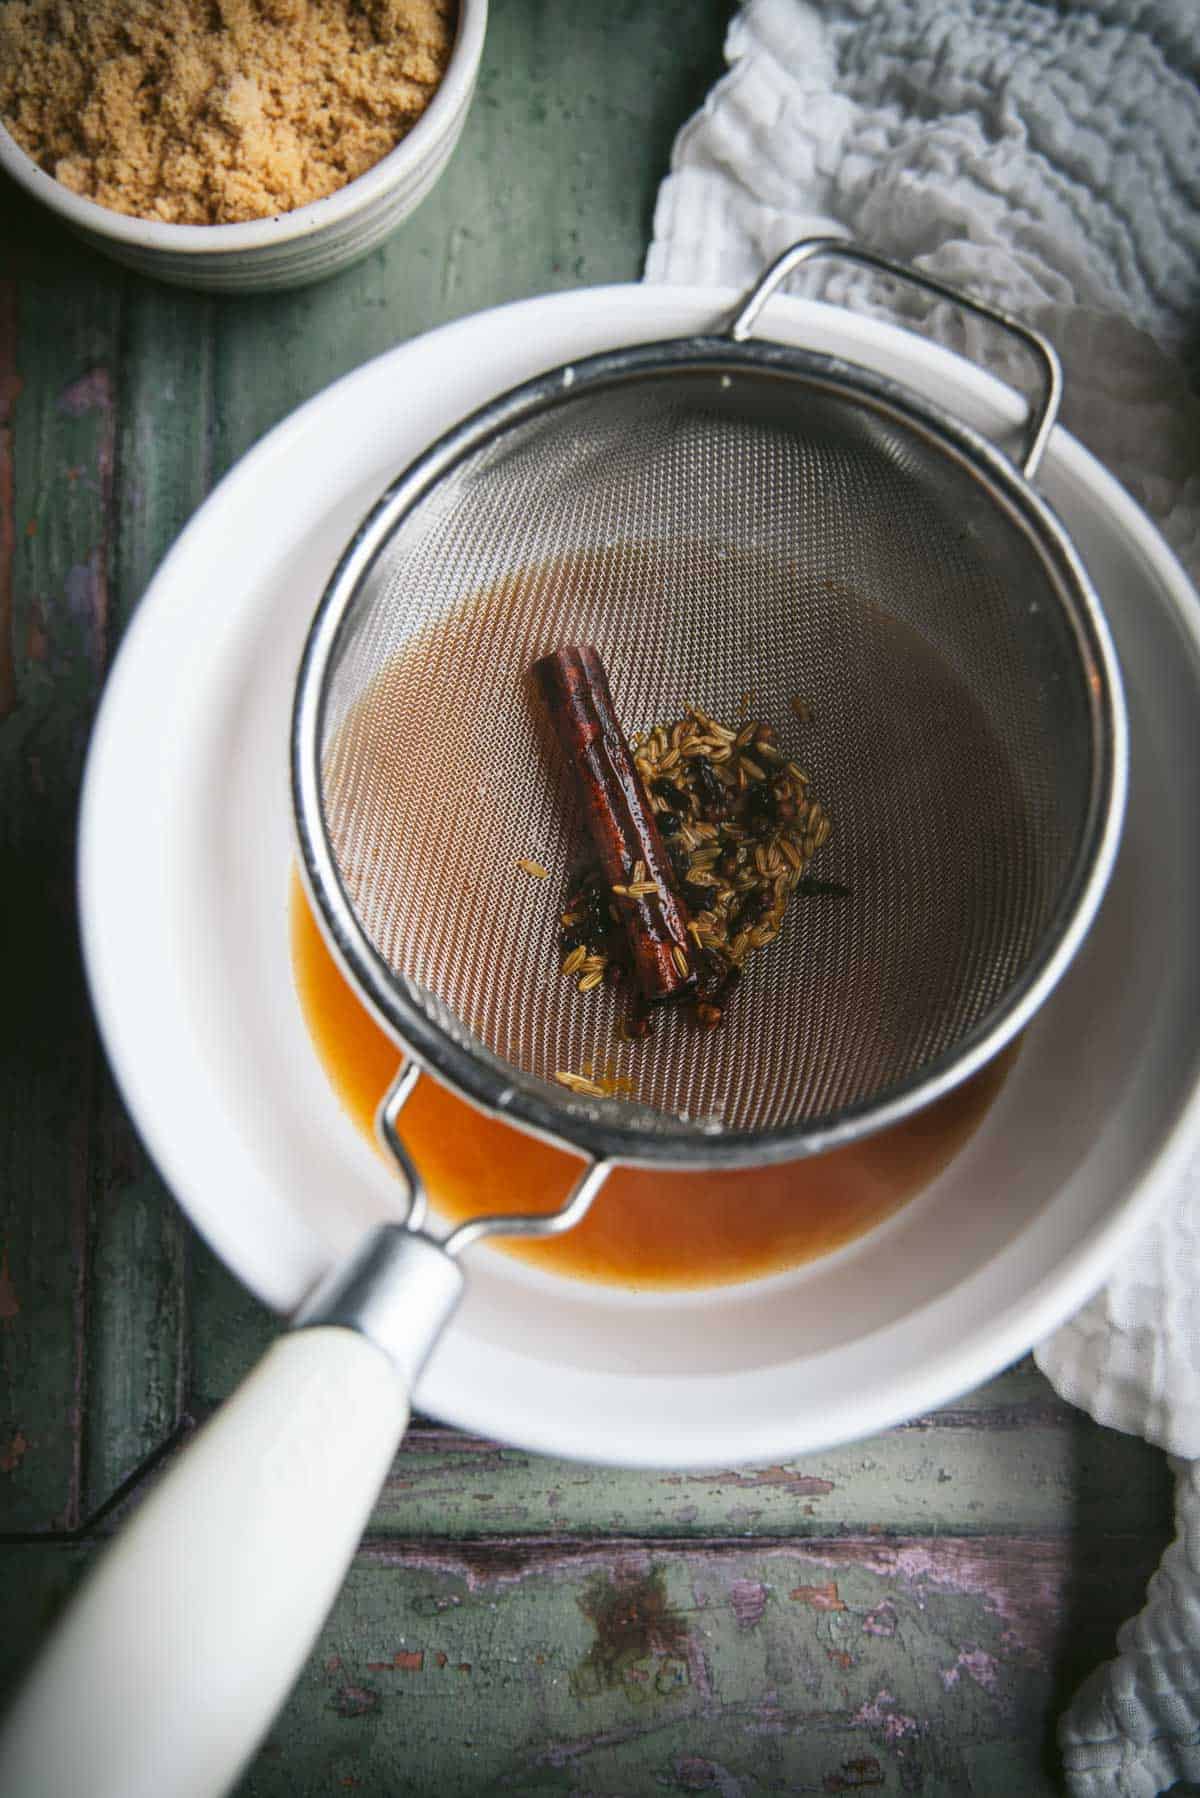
931	1665
933	1479
906	1615
58	493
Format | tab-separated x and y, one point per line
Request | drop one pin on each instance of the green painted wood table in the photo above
906	1615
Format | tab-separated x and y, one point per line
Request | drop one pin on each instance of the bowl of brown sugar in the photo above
246	145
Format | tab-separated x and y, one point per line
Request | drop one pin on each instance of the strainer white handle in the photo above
186	1637
1043	413
168	1667
188	1634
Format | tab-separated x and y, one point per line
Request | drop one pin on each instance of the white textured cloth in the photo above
1048	159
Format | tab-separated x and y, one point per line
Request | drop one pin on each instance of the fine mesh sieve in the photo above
732	523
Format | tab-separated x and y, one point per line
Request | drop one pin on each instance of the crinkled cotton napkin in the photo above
1046	158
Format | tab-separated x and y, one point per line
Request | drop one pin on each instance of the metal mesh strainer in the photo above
721	518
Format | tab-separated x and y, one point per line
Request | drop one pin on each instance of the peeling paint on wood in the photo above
357	1701
976	1664
917	1480
749	1600
403	1661
601	1667
819	1598
640	1640
880	1715
790	1478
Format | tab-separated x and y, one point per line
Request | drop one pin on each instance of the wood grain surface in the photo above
906	1615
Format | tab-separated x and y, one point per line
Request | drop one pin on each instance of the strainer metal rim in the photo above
596	1132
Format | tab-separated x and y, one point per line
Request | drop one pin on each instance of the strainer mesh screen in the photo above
716	539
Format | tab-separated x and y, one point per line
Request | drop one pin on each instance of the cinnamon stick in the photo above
620	820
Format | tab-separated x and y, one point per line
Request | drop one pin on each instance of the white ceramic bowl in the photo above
186	848
290	249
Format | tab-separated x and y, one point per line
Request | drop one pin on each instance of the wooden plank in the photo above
932	1667
137	1328
166	441
936	1479
924	1665
136	1334
60	390
1071	1475
100	465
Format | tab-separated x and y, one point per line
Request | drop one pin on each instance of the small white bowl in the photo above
290	249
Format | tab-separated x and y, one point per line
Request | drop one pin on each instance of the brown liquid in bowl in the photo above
648	1228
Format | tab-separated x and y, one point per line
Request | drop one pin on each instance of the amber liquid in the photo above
648	1228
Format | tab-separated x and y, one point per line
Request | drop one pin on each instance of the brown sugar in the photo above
214	111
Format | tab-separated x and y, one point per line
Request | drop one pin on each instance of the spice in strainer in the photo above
633	862
740	826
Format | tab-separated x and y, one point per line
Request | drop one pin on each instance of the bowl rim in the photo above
157	236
